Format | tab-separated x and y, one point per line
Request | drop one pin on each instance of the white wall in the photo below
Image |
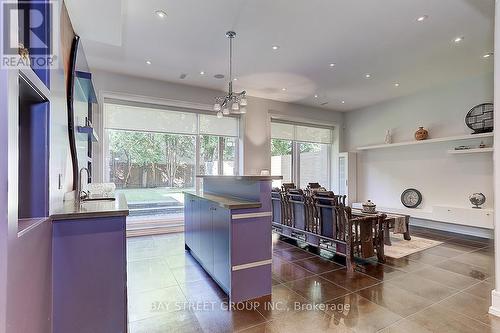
443	179
255	124
60	156
495	294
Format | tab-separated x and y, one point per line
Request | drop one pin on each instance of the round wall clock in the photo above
411	198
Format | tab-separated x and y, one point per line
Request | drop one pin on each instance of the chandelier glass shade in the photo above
232	102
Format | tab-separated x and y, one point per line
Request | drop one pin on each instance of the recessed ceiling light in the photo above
161	14
343	102
235	79
368	75
332	65
275	47
283	89
487	55
396	84
202	73
422	18
316	96
458	39
148	62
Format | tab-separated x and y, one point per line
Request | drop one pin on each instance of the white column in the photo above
495	294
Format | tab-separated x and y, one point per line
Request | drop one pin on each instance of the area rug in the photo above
401	248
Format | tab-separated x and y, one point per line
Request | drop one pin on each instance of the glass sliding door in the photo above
230	152
281	161
218	155
218	145
314	163
151	170
209	155
301	153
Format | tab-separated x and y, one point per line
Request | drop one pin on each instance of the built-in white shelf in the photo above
468	216
470	151
444	139
413	212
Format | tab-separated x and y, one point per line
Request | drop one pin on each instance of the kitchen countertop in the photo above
92	209
225	201
243	177
26	225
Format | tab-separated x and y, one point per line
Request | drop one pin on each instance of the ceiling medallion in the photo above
233	102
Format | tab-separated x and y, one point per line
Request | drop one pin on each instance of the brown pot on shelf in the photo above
421	134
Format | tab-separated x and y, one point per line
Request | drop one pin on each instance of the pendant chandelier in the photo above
233	102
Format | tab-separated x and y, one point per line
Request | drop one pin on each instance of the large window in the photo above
281	160
301	154
218	155
153	155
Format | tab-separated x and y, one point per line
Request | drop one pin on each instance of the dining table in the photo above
398	223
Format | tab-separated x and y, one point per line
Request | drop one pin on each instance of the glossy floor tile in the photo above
437	318
318	265
473	307
445	277
285	271
378	271
352	281
317	289
470	270
482	289
395	299
293	254
443	289
360	314
424	288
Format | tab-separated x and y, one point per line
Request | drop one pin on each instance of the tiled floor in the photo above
442	289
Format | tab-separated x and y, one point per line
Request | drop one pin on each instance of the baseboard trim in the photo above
154	231
252	265
456	228
495	304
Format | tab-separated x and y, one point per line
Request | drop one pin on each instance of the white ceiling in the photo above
379	37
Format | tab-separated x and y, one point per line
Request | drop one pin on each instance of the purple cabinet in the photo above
221	222
207	236
228	231
89	275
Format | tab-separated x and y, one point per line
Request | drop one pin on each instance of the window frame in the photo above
220	153
295	158
197	134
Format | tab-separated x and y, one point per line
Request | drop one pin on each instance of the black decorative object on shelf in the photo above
480	118
411	198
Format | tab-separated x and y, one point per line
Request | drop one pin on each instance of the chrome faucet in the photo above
78	194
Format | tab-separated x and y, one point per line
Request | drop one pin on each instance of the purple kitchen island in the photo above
228	231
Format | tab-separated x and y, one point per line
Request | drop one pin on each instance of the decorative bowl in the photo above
369	207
